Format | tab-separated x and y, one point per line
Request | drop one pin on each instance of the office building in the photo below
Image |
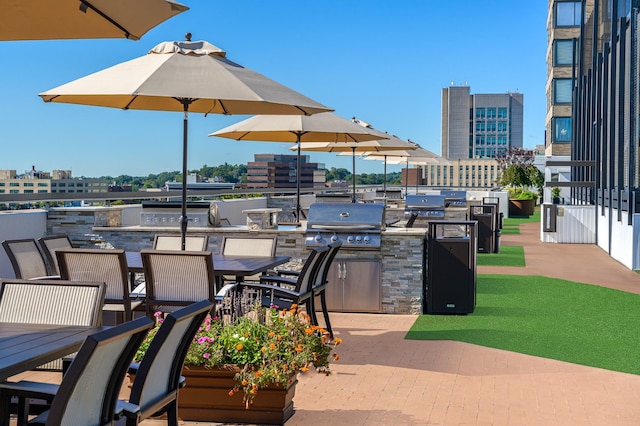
475	173
480	125
37	182
280	171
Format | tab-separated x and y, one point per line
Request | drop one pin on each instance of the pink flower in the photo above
207	355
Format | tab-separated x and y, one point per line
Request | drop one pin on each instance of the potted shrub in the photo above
555	195
519	175
246	371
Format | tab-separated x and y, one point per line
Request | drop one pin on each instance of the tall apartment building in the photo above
37	182
480	125
280	171
605	101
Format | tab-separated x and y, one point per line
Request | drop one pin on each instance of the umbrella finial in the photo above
187	36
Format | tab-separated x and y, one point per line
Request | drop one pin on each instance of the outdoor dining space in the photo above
101	303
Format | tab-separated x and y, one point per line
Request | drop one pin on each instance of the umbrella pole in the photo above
384	184
298	173
353	175
406	179
183	217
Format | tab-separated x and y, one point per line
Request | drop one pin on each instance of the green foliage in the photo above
555	192
269	345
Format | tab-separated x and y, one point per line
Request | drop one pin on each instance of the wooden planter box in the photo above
521	207
206	398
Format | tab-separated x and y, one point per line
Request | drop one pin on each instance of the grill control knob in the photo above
318	238
350	239
359	239
367	239
334	238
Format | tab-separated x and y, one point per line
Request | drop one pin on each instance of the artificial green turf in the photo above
552	318
510	221
508	256
510	230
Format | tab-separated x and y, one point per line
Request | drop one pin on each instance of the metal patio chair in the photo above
174	242
27	261
103	265
158	376
248	246
89	391
177	278
48	246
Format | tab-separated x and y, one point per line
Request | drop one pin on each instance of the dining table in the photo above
238	266
26	346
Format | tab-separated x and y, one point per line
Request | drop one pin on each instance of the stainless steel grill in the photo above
454	198
357	225
424	206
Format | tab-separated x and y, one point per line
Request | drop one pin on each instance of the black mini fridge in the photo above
450	281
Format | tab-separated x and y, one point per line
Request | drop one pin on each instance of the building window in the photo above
480	140
479	126
562	91
502	113
562	129
502	126
562	52
14	184
491	126
568	13
491	113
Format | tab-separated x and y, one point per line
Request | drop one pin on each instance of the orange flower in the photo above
272	346
304	369
285	367
264	350
244	382
231	392
336	357
239	347
259	373
271	334
338	340
308	330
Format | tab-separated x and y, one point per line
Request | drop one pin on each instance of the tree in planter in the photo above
519	173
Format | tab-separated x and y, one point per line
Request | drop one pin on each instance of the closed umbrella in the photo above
378	145
323	127
189	76
73	19
419	156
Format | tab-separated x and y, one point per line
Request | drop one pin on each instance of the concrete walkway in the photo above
382	379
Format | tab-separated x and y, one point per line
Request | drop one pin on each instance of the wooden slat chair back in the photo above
174	242
26	259
55	302
158	376
89	390
108	266
48	246
177	278
247	246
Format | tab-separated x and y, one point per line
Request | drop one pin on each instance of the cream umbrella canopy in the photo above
378	145
419	156
189	76
74	19
323	128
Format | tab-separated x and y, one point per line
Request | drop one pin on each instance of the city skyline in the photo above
381	63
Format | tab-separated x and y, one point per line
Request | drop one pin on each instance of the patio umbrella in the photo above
186	77
378	145
73	19
419	156
323	127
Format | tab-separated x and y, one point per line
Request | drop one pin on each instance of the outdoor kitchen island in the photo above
386	279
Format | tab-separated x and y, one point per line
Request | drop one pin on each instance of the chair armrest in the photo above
46	277
140	292
274	288
226	289
276	280
28	389
283	272
127	409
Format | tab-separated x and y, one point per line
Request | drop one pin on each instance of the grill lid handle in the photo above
344	214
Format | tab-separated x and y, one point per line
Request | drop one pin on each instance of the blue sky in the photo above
381	61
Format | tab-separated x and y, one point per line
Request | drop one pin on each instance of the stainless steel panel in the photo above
355	286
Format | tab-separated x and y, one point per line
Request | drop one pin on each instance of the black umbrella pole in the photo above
298	173
183	217
353	176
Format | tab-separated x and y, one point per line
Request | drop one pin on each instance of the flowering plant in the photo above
269	345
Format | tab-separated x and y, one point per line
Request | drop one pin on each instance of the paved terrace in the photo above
382	379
